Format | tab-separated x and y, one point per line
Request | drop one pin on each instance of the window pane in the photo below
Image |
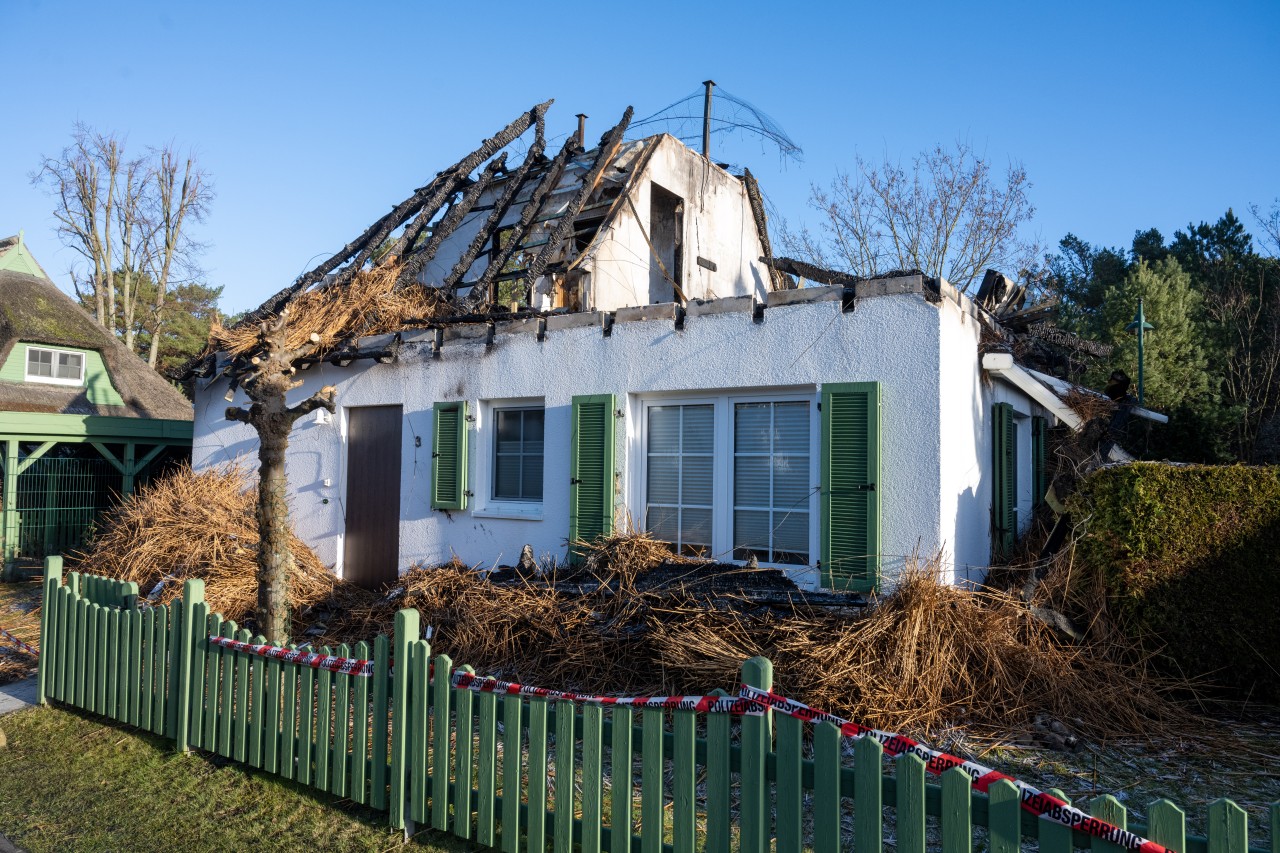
751	428
751	529
664	479
531	486
506	480
790	481
517	456
508	431
751	481
664	429
69	365
695	527
698	429
39	363
697	481
664	523
533	430
791	427
791	537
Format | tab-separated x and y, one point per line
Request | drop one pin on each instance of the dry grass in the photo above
190	525
369	305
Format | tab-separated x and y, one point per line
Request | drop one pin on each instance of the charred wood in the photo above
416	260
791	266
780	280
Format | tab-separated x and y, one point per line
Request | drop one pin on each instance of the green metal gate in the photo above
59	500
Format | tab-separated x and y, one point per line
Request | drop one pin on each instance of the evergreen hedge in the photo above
1189	556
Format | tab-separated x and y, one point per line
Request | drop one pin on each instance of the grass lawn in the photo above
72	782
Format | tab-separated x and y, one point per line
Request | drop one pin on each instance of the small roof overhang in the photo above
1049	391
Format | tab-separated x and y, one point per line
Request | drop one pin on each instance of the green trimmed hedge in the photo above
1189	556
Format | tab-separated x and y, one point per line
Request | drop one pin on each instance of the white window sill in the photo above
532	512
51	380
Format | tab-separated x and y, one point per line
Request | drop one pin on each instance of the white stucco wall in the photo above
897	341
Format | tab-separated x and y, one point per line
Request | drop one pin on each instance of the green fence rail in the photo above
522	774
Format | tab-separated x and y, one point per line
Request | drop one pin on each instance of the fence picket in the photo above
537	826
306	724
240	714
868	795
257	705
719	781
289	719
512	754
486	772
66	643
440	751
911	804
360	719
562	806
173	684
341	728
160	668
957	830
1109	809
1004	817
826	788
592	777
406	631
684	815
1228	827
212	662
271	735
788	790
197	649
1167	825
419	729
100	663
48	627
146	639
623	785
463	760
112	624
185	684
90	667
652	773
1054	837
754	808
380	724
226	691
324	725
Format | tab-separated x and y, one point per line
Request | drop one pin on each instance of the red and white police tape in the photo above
1034	801
332	663
750	701
26	647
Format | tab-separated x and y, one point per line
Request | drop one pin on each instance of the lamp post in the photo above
1141	326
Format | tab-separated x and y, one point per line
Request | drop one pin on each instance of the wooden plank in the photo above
512	759
652	773
406	631
174	667
90	665
1004	817
272	695
125	647
360	720
197	647
1228	828
66	609
957	830
241	712
911	804
112	661
146	643
419	729
226	691
1054	837
537	827
289	718
380	724
562	808
160	669
440	743
257	704
212	669
827	743
184	684
1167	825
341	728
684	781
48	628
306	748
719	782
324	724
464	760
788	790
754	808
486	773
100	663
592	778
622	794
868	794
1112	811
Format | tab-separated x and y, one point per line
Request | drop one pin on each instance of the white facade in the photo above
920	346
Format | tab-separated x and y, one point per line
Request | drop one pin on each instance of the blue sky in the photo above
314	118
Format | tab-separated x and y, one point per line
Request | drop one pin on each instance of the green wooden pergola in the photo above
142	441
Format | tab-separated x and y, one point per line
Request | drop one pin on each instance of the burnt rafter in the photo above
530	210
756	199
564	227
804	270
418	258
515	183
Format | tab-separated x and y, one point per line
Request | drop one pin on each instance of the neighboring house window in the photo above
1004	479
517	454
56	366
753	498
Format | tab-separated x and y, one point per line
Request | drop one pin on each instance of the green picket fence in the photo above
522	774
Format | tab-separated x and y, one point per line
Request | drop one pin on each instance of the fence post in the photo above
406	632
756	741
48	626
185	643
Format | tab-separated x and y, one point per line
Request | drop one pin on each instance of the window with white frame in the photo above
731	476
517	454
60	367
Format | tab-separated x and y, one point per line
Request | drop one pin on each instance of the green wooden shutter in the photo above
449	456
591	473
1039	470
850	487
1004	481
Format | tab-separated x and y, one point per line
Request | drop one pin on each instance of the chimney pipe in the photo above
582	130
706	120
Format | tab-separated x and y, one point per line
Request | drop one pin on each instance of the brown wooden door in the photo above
371	554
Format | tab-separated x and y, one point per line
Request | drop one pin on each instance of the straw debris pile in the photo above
370	304
196	525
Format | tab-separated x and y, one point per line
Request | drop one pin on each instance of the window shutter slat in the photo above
851	486
591	475
449	456
1004	482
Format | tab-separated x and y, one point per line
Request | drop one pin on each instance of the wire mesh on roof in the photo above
729	115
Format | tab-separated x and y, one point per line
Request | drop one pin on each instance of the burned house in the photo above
601	338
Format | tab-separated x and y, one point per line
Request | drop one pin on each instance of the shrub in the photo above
1189	557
